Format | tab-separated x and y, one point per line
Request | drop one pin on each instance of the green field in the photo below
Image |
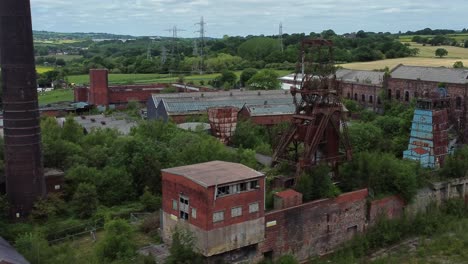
62	95
42	69
426	57
152	78
457	37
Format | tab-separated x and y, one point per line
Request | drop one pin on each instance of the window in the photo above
218	216
378	100
348	95
236	211
174	205
184	207
458	102
223	190
406	96
194	213
389	94
363	98
253	207
398	94
243	187
355	96
371	99
254	185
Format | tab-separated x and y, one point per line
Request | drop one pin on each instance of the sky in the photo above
245	17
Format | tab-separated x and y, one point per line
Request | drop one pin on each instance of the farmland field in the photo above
42	69
458	37
62	95
152	78
426	57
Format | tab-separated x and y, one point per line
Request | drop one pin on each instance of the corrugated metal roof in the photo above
363	77
220	95
186	106
9	255
431	74
215	172
271	109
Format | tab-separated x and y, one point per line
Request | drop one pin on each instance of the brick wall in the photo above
365	94
314	228
389	207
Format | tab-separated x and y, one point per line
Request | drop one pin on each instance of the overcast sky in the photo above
244	17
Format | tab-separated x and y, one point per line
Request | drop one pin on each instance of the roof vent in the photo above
83	117
93	120
103	122
265	103
259	93
230	94
202	95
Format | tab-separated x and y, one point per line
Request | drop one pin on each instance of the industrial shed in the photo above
179	107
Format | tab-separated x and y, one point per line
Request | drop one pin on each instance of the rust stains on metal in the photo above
23	156
223	122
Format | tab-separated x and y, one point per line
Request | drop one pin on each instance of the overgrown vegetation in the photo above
388	232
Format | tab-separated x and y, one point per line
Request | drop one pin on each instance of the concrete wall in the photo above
219	240
314	228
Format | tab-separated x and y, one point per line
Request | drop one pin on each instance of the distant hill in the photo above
47	35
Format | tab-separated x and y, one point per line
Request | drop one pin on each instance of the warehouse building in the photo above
180	107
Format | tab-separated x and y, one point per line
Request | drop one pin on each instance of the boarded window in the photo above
174	204
194	213
218	216
236	211
253	207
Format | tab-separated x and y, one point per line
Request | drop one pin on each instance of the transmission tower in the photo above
148	51
163	54
174	30
280	36
201	43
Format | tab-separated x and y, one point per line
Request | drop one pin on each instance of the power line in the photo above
174	30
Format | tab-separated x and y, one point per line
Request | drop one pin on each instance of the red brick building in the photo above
267	114
100	93
221	203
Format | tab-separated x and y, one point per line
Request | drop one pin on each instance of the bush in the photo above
85	201
316	184
181	251
150	201
117	243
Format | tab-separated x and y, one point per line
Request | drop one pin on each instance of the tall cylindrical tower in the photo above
23	156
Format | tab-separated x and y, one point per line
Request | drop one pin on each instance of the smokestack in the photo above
23	156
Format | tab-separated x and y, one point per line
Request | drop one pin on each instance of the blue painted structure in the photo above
428	142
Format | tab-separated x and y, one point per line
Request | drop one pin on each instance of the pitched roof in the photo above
215	172
9	255
270	109
431	74
357	76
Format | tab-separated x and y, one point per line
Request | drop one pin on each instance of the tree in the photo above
364	136
117	243
48	207
441	52
150	201
316	184
466	44
181	250
455	165
265	80
458	64
246	75
85	202
4	207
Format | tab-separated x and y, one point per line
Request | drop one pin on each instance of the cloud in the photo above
243	17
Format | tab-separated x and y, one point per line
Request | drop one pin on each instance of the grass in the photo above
61	95
57	41
153	78
426	57
43	69
449	247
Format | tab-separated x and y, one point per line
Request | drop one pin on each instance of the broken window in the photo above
184	207
254	185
